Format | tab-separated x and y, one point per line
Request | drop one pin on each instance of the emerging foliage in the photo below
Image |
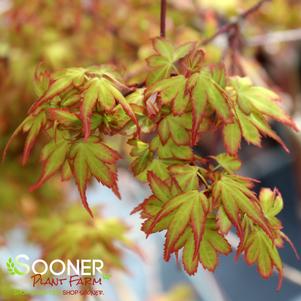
195	199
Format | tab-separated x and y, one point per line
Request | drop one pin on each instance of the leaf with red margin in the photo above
103	91
170	91
198	100
229	163
236	197
63	116
32	124
232	137
259	249
222	220
173	127
261	99
163	62
54	156
189	210
61	82
263	126
158	187
171	151
271	203
186	176
190	260
93	158
248	129
212	243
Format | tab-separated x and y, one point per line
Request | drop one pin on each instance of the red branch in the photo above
163	18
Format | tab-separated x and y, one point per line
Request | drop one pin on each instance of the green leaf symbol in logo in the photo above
11	268
106	277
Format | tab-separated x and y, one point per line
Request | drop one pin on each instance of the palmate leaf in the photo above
271	203
208	87
186	176
93	158
171	151
170	92
260	100
169	208
103	92
61	82
259	249
32	125
54	156
229	163
232	137
211	245
257	246
236	198
175	127
164	61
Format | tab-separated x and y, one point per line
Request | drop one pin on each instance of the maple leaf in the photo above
271	203
170	92
212	244
189	209
61	82
186	176
32	125
229	163
165	59
222	220
64	117
235	196
206	89
54	155
248	129
175	127
260	99
93	158
170	150
105	236
232	137
258	247
103	92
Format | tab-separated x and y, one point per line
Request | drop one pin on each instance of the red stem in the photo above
163	18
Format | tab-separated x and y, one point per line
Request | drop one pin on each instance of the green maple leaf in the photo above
171	150
189	210
259	100
212	244
170	92
93	158
229	163
103	92
54	156
186	176
32	125
236	197
232	137
164	61
175	127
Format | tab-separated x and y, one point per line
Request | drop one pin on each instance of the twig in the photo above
163	18
275	37
229	26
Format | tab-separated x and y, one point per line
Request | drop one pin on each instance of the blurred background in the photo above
50	223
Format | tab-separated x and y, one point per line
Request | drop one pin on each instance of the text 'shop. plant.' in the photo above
196	200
